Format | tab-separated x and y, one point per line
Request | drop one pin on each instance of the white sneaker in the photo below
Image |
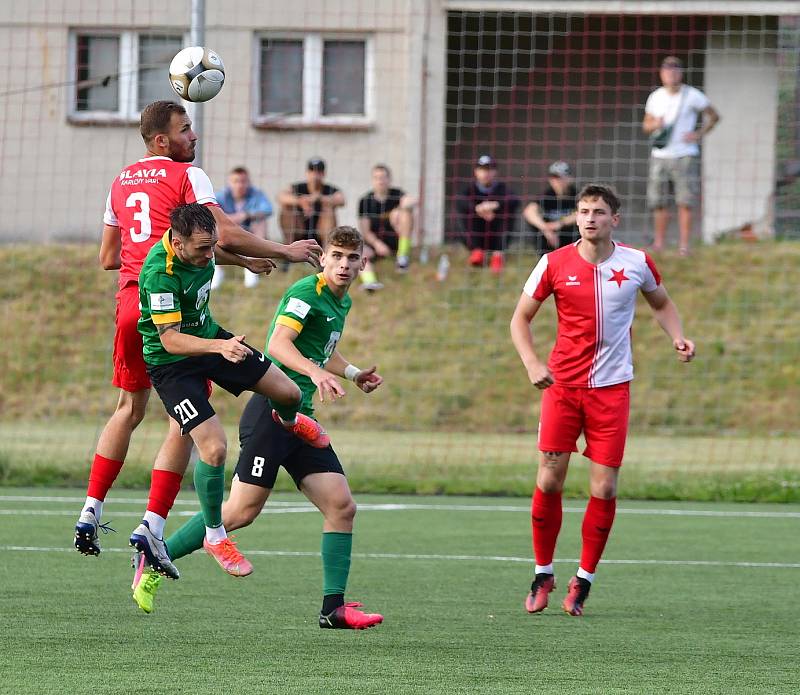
219	276
250	279
155	551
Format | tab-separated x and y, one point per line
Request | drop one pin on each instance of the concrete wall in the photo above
55	174
741	80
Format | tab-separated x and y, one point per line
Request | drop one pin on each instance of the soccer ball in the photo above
196	73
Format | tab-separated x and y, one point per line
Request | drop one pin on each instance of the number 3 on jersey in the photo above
142	200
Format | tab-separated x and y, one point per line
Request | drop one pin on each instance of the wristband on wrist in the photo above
351	372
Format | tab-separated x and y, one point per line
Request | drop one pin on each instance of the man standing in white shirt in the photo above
671	112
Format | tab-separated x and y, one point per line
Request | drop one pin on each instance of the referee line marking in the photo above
272	507
457	558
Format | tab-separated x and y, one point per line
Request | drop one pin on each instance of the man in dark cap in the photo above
308	208
486	210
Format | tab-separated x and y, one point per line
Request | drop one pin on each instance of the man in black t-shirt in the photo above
487	210
552	216
308	208
386	221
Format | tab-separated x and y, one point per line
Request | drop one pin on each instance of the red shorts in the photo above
601	413
129	369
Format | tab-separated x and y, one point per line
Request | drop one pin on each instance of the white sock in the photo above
544	569
583	574
216	535
156	523
96	504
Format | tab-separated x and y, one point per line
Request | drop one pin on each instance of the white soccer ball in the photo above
196	73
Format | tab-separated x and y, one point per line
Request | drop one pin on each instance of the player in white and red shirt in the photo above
594	282
137	216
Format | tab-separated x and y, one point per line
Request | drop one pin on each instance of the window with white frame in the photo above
117	73
313	80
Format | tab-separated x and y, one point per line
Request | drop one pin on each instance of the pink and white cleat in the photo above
542	585
228	557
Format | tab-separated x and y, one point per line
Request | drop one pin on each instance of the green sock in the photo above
368	277
404	246
187	538
336	550
209	482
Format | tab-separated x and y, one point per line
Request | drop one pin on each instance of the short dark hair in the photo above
239	170
384	168
346	237
599	190
184	219
156	117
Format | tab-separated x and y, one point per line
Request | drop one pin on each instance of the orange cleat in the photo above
476	257
346	617
537	598
228	557
307	429
577	592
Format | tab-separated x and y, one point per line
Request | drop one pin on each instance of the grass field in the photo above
457	414
692	598
744	469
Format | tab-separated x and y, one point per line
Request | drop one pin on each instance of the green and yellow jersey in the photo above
317	314
172	291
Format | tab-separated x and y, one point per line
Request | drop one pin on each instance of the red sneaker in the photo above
228	557
346	617
577	592
497	263
476	257
307	429
542	585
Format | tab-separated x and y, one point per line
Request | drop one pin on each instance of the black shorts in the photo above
266	446
182	386
388	237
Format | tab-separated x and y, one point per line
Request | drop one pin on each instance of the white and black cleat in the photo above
86	540
154	551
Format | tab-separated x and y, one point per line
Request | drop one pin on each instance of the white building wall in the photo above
741	80
55	174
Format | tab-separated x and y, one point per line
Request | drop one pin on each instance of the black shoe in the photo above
348	617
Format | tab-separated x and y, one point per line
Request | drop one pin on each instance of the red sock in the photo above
597	522
164	488
545	524
102	476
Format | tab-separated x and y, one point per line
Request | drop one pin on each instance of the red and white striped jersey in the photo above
595	306
140	201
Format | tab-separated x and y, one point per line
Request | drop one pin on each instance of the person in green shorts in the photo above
184	349
302	340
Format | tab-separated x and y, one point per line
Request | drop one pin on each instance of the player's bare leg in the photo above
244	504
330	493
112	448
209	482
546	515
402	221
597	522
